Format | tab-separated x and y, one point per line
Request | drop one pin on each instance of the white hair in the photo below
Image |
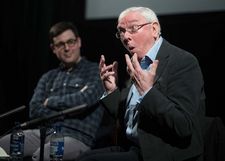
149	14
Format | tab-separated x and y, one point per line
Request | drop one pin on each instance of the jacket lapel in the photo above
162	56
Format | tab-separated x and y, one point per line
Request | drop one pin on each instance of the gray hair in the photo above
149	14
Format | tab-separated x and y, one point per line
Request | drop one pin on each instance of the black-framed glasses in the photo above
132	29
62	45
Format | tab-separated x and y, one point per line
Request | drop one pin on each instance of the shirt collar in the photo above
152	53
76	65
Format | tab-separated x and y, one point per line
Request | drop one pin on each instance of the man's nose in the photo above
66	46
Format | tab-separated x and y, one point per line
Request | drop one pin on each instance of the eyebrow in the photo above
130	22
67	40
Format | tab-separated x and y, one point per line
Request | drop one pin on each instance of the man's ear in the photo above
52	47
156	28
79	41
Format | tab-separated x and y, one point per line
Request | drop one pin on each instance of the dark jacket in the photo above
168	125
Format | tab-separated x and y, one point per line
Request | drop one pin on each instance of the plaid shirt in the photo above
65	89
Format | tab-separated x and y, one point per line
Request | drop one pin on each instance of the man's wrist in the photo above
110	91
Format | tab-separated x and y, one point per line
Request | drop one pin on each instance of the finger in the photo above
128	70
154	66
115	66
129	64
136	80
106	76
102	62
135	62
107	68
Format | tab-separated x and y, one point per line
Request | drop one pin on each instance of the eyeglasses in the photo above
62	45
132	30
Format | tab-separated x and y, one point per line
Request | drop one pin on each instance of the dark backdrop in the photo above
25	52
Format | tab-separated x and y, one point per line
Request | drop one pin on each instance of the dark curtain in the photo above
25	52
202	34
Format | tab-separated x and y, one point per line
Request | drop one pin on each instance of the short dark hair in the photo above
60	27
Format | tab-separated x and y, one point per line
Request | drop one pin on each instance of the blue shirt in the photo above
134	98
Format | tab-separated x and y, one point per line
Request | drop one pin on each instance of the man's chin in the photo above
131	52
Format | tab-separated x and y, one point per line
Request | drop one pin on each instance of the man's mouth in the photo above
67	54
130	48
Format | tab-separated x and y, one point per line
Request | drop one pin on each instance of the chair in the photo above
106	134
213	131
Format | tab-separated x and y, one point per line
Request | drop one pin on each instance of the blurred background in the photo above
197	26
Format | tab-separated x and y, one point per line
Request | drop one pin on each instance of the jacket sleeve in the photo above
172	104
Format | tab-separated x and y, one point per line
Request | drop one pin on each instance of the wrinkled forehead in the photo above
132	17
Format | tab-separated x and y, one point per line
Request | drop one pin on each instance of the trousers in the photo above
113	153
